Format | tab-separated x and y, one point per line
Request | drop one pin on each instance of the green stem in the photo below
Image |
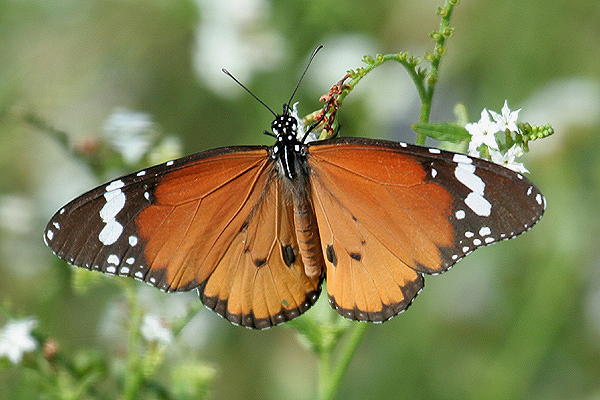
133	375
331	376
424	79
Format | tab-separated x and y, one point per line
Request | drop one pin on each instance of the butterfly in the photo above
256	230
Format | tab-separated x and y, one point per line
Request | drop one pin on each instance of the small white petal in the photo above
16	339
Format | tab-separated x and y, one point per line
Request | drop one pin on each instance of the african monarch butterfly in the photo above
257	229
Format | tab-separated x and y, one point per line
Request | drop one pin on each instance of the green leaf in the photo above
442	131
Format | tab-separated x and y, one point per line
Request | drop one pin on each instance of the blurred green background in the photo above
520	319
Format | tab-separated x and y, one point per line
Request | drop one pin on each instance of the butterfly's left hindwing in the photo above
260	280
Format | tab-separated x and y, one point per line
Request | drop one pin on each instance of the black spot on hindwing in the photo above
288	255
331	256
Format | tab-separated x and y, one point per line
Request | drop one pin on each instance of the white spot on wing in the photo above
56	225
461	158
484	231
169	163
49	234
141	173
118	184
460	214
111	269
110	233
465	173
538	198
478	204
130	261
434	151
133	240
113	259
115	201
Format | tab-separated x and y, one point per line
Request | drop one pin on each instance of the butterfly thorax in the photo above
289	151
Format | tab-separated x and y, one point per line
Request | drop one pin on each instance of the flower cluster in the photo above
484	141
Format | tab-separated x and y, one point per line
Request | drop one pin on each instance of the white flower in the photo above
482	132
508	119
508	159
16	339
130	133
154	329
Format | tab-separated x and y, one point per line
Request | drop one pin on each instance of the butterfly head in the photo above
285	125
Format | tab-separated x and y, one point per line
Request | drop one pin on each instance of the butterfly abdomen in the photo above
307	233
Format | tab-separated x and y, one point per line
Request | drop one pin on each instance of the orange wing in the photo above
388	212
237	245
260	280
217	221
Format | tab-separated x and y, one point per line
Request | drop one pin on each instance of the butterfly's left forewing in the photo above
390	212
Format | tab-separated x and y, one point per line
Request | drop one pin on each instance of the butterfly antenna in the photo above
248	90
287	106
